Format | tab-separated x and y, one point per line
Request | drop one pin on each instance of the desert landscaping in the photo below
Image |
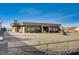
42	43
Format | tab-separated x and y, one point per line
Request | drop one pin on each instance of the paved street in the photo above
3	45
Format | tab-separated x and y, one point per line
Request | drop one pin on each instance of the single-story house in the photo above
25	27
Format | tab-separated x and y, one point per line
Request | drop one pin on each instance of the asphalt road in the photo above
3	44
1	35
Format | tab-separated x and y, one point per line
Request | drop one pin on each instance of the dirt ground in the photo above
48	43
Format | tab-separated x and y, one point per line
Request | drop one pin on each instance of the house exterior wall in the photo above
14	29
33	28
54	29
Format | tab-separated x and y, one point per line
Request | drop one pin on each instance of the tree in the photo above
14	21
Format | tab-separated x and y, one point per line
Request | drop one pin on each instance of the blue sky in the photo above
65	14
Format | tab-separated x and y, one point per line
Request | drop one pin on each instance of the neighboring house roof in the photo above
77	28
70	28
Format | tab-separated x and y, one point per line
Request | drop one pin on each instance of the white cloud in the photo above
67	16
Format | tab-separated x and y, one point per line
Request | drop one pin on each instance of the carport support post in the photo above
41	28
23	30
49	29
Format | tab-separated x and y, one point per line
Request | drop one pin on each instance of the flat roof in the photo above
39	23
36	23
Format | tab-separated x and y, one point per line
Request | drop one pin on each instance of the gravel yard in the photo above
45	43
